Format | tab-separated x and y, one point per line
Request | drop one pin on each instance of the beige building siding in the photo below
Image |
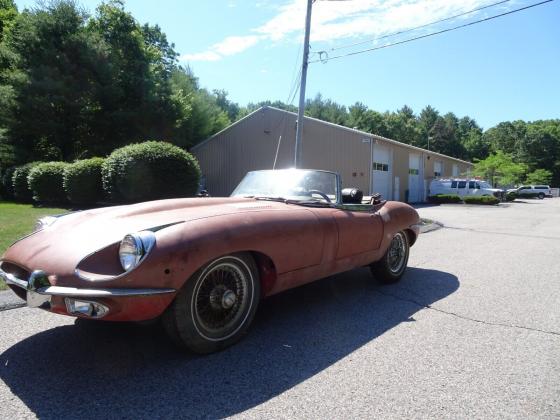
253	142
348	152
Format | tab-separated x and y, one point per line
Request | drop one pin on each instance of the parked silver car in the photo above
532	191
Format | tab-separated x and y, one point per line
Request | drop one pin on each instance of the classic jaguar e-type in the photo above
203	264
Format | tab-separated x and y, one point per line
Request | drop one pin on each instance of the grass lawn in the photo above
17	220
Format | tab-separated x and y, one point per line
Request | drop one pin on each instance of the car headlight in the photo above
134	247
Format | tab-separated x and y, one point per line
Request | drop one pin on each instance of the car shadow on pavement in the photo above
131	371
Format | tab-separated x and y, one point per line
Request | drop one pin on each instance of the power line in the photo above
295	89
404	31
295	74
324	60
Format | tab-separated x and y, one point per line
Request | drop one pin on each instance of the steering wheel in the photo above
321	193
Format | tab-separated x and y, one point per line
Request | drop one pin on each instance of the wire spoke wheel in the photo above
221	299
392	266
397	253
215	307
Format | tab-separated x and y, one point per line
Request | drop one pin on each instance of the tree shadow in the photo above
132	371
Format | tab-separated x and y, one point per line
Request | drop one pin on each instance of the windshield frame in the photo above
338	183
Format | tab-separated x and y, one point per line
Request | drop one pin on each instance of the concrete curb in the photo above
8	300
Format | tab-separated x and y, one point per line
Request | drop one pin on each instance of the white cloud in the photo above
339	22
203	56
235	44
229	46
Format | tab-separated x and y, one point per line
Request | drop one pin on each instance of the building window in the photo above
413	171
380	167
436	173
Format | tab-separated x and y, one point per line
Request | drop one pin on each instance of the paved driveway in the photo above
472	331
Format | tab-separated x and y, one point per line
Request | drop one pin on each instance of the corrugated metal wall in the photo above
346	152
252	143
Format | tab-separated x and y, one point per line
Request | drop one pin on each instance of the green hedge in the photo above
82	181
487	199
6	184
150	171
45	180
444	198
20	184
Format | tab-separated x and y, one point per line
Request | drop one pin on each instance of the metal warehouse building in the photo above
266	138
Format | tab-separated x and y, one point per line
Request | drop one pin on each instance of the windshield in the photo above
484	184
289	184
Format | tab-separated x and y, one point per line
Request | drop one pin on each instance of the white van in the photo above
463	187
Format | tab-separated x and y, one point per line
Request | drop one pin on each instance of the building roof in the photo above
336	126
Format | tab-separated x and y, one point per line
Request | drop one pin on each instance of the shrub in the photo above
486	199
150	171
6	185
444	198
20	185
82	181
45	180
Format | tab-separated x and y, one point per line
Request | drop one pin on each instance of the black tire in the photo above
541	196
392	266
216	306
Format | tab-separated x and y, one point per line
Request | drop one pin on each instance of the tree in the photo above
205	116
230	108
475	145
500	169
52	80
539	176
8	14
76	86
426	120
403	126
534	144
326	110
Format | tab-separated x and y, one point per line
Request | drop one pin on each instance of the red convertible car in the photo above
203	264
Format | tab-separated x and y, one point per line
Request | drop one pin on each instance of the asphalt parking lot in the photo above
472	331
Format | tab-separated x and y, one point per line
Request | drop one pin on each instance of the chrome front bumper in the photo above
39	290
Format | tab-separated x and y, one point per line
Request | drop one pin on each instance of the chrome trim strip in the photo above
74	292
11	279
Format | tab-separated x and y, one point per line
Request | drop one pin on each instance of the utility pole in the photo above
299	131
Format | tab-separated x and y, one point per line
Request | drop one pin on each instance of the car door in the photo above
474	188
462	188
358	232
524	191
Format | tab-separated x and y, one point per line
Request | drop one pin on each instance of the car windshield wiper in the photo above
267	198
308	202
311	203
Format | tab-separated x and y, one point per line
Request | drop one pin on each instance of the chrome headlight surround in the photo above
134	248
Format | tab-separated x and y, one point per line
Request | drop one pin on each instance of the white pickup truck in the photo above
463	187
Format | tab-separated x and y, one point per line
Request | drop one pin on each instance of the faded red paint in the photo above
292	245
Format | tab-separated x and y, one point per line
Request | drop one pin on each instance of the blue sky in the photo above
501	70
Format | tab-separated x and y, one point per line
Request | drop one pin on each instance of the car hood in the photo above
79	234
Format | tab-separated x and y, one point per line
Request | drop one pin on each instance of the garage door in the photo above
438	169
381	171
414	186
455	170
